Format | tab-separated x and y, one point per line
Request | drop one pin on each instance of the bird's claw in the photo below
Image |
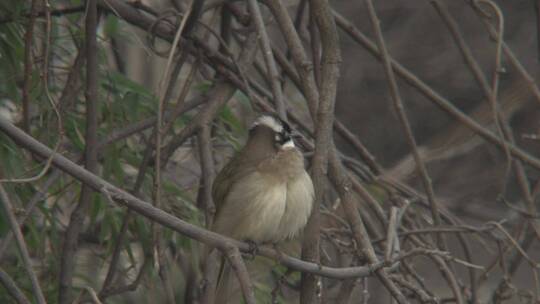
252	251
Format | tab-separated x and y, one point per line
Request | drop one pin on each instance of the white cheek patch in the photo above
270	122
288	144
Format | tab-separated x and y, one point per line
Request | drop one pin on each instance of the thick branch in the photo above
90	155
147	210
331	57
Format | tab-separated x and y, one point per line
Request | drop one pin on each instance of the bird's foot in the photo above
253	250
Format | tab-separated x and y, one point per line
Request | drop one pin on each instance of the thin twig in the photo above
23	250
45	77
300	59
12	288
398	105
207	172
28	41
54	12
31	205
392	241
165	80
268	58
146	209
421	294
235	259
114	290
337	173
432	95
529	80
515	244
217	97
92	294
491	93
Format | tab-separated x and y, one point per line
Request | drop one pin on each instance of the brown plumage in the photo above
263	194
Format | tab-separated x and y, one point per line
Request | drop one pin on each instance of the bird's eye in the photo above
277	138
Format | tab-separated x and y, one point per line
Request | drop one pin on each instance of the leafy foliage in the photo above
123	102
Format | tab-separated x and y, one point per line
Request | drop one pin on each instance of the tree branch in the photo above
12	288
268	58
90	156
147	210
239	267
330	60
23	250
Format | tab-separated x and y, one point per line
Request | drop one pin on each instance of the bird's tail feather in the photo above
224	282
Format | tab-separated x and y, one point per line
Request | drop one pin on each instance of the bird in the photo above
264	194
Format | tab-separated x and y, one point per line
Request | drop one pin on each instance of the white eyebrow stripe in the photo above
270	122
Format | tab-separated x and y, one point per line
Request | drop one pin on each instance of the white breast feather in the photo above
266	214
288	144
253	212
300	195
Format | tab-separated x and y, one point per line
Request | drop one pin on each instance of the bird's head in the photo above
270	125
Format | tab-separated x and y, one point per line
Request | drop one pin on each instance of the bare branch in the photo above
90	155
28	37
440	101
235	259
21	244
147	210
12	288
268	58
398	105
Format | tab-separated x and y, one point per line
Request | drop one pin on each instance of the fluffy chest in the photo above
269	203
285	166
253	209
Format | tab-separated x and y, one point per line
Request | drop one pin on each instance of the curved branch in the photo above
147	210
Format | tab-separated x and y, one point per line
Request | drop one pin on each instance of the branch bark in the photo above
27	81
337	173
147	210
330	60
23	250
12	288
90	156
268	58
239	267
439	100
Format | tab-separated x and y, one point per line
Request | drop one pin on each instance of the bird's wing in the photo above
224	282
223	182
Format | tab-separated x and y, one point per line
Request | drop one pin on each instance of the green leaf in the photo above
123	85
203	86
4	224
110	26
96	208
228	117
